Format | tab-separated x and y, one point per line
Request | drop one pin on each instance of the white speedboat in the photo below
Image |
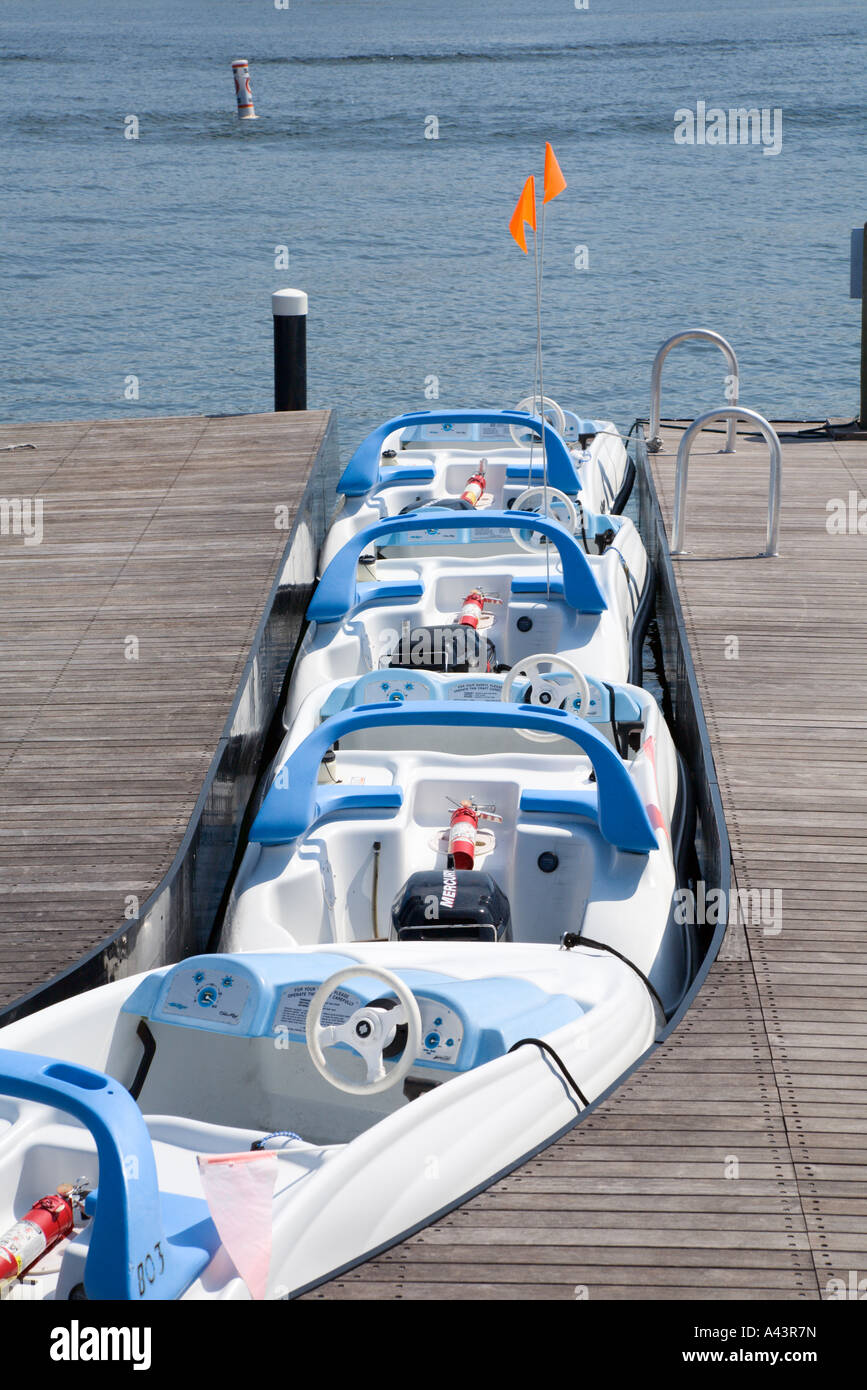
587	600
355	839
390	1023
627	715
583	455
469	460
248	1125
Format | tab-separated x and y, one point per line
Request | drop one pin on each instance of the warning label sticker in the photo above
291	1013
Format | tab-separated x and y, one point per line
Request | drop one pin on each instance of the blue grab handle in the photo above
130	1256
337	592
292	804
363	472
402	477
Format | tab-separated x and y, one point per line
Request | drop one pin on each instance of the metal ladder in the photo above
654	443
732	413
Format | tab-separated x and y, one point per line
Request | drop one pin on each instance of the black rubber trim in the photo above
603	946
683	824
546	1047
618	742
607	488
625	488
149	1043
639	626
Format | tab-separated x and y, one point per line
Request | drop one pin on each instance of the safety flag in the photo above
554	180
239	1191
525	212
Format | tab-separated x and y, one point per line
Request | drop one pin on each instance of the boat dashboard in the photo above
464	1022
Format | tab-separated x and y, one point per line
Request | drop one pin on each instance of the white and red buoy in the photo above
241	74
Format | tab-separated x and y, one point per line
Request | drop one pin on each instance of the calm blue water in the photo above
155	257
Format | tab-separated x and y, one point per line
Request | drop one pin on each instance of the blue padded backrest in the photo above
296	800
363	470
337	592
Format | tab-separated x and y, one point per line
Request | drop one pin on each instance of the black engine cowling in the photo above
453	905
450	647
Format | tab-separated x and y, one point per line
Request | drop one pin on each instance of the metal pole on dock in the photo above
289	308
862	418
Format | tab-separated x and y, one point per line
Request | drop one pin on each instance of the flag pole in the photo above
539	254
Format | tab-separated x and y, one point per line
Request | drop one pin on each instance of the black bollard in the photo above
289	308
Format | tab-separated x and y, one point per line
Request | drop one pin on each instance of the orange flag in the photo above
554	180
524	212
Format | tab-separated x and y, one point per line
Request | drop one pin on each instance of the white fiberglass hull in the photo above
379	1168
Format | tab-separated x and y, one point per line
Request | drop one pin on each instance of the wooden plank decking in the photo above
733	1165
125	632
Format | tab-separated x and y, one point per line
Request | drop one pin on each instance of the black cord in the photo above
546	1047
632	428
817	431
603	946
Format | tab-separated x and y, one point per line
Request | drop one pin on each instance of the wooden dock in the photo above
132	598
733	1164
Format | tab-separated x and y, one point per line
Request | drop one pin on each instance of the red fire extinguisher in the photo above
46	1223
473	607
463	825
475	487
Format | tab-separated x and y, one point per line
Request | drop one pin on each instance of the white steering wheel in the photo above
554	414
545	690
369	1032
533	500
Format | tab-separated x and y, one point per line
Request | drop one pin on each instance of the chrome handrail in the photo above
654	443
732	413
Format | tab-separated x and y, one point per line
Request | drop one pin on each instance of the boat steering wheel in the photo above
554	414
369	1031
546	691
533	500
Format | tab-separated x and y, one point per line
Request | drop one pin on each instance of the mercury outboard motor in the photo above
450	647
451	905
446	504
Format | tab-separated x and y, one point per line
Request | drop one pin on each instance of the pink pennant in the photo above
239	1189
